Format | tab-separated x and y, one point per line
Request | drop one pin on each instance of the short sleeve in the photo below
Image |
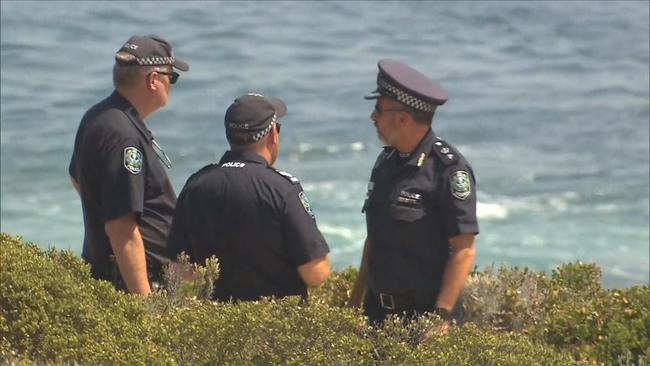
305	242
72	169
122	175
458	199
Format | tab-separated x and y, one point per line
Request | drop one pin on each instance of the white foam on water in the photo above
340	231
495	207
321	187
304	147
356	146
489	211
331	149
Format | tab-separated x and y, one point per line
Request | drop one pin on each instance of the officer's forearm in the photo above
360	284
457	270
128	248
315	272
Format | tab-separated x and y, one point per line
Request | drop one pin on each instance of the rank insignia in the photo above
133	160
305	204
421	159
460	184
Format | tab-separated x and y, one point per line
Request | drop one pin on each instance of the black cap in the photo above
254	113
407	85
150	51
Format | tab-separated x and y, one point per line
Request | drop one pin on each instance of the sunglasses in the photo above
173	76
277	127
380	111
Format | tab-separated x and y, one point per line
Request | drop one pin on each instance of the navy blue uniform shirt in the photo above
414	205
254	219
119	172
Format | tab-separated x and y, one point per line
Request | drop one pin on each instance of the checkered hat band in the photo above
153	61
258	136
404	97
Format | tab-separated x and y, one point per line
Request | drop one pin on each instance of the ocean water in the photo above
549	101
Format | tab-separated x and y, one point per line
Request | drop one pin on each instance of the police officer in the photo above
254	218
420	207
119	169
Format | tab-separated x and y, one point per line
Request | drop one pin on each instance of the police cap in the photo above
253	113
149	51
407	85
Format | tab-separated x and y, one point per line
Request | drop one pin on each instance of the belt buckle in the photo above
387	301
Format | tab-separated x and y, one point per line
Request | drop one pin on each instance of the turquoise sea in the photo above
549	101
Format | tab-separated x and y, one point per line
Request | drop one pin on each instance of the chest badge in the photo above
409	198
460	184
133	160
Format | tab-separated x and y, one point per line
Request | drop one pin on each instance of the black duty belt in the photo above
405	301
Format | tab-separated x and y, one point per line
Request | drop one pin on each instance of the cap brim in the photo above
180	64
375	94
278	105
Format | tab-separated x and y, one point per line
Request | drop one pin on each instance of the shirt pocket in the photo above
156	177
406	213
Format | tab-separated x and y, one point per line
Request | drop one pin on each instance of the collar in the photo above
423	149
243	155
125	106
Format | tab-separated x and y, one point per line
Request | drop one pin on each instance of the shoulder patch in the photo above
132	160
444	152
288	176
460	184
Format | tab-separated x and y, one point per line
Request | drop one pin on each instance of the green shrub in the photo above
52	312
511	299
570	310
470	345
337	288
268	332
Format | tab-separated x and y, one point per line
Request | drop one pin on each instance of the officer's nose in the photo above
373	116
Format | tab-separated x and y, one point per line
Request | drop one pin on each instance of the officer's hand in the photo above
354	302
435	330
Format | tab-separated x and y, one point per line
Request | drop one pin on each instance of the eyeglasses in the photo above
380	111
277	127
161	154
173	76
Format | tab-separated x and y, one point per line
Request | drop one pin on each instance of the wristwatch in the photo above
444	314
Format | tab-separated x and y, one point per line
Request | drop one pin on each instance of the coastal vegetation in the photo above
53	312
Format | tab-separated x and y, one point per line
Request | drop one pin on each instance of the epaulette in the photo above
200	171
288	176
444	152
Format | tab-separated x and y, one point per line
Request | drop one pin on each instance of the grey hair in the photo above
421	117
126	76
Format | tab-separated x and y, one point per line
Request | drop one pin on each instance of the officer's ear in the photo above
151	81
272	138
404	117
275	135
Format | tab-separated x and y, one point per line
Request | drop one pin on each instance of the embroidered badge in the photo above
305	204
460	184
133	160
